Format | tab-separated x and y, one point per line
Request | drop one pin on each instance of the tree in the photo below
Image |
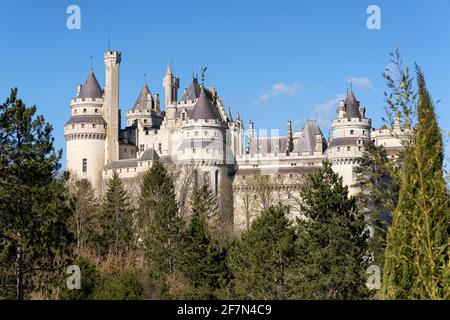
116	218
34	237
121	286
378	194
259	260
331	248
201	261
90	279
162	237
417	255
85	219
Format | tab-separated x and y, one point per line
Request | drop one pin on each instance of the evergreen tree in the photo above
331	248
417	255
34	237
84	222
201	262
260	259
162	238
116	219
378	194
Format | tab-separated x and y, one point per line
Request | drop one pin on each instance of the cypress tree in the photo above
162	235
259	260
34	237
417	255
116	219
331	248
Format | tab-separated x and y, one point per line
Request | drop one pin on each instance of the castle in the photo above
196	129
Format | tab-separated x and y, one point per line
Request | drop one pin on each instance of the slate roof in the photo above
346	141
148	155
144	101
204	108
352	106
91	88
120	164
193	91
307	140
87	119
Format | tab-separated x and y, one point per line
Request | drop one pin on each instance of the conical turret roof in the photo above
352	106
204	108
144	101
91	88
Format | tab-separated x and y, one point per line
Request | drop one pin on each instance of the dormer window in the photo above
82	125
96	110
84	110
352	131
93	126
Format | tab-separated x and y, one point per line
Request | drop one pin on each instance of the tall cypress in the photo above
417	256
116	218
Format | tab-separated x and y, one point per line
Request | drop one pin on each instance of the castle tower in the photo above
85	133
204	142
349	131
111	104
171	85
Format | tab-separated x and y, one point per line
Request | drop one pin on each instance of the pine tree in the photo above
201	261
260	259
34	237
378	194
116	219
162	237
85	219
331	248
417	255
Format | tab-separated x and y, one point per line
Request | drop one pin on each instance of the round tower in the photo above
203	142
349	131
85	133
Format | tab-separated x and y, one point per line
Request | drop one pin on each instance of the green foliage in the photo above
121	286
201	261
260	259
116	218
417	255
331	248
378	195
34	238
162	238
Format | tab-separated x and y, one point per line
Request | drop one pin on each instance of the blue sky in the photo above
272	60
